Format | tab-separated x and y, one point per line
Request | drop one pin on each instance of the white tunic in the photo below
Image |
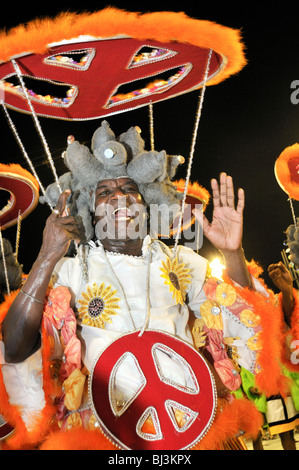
127	275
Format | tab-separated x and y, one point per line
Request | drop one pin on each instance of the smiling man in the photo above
127	281
120	215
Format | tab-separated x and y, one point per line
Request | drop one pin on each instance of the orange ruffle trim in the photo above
21	438
270	380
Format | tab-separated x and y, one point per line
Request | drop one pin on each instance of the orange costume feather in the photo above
21	438
14	169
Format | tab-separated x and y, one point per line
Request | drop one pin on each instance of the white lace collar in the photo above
146	245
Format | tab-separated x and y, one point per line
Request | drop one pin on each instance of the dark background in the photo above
247	121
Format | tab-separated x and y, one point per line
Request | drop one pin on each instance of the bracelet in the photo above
31	297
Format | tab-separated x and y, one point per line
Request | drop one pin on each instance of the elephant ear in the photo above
103	134
148	167
132	141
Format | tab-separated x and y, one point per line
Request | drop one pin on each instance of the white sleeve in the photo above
198	267
24	385
67	273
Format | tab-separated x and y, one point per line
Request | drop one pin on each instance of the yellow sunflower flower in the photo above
225	294
177	277
211	314
98	304
199	337
249	318
255	342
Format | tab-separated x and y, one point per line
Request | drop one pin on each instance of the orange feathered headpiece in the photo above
287	171
24	192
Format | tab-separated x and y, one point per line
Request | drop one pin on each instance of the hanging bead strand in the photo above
18	235
151	125
23	150
194	137
36	121
4	263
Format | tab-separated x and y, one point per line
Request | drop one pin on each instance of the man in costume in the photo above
115	286
127	283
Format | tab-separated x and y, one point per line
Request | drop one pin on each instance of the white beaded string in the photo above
194	137
46	147
151	123
36	121
121	288
293	212
18	235
20	143
4	263
82	254
147	317
147	299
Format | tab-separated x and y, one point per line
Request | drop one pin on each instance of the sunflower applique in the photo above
199	337
98	304
225	294
255	342
211	314
249	318
177	277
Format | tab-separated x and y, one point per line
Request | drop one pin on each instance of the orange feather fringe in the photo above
21	438
4	307
77	439
162	26
270	380
240	415
194	189
17	170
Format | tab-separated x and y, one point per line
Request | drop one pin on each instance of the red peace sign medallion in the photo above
5	428
152	392
88	80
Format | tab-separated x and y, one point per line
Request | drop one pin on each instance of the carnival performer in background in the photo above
120	283
280	411
11	277
23	190
283	412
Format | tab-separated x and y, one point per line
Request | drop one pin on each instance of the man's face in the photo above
120	211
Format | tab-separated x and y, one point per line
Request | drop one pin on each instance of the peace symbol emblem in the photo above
5	428
152	392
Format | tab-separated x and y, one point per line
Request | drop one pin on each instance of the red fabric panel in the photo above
154	393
